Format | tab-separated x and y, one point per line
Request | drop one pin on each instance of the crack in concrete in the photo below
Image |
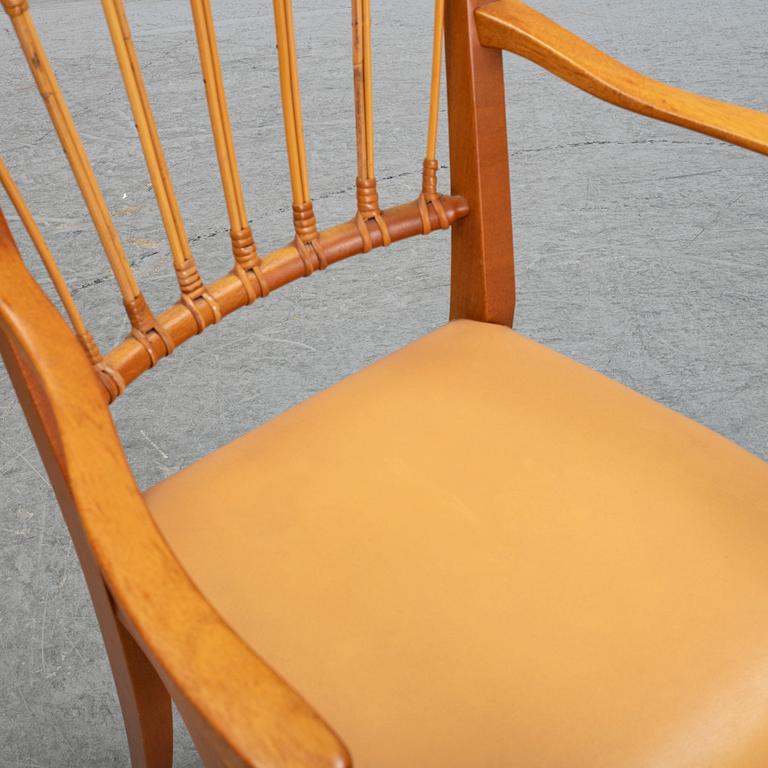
608	142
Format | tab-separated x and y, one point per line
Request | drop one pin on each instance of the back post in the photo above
482	259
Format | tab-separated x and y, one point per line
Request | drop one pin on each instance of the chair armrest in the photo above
513	26
237	708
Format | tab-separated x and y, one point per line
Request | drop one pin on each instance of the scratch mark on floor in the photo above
714	219
154	444
20	455
286	341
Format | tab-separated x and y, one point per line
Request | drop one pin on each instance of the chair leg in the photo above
144	701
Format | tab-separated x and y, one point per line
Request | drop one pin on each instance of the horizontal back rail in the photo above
283	266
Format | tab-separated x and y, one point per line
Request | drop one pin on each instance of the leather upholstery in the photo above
477	552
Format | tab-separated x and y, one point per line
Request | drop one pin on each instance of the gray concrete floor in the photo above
641	251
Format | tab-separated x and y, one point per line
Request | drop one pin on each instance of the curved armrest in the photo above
513	26
238	709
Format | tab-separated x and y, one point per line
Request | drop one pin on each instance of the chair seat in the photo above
477	552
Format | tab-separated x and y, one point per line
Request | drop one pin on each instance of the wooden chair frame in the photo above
164	640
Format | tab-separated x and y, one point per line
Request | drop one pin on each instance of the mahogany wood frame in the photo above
163	638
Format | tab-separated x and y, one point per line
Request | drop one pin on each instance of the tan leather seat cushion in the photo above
477	552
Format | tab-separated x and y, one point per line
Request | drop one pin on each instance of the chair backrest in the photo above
155	334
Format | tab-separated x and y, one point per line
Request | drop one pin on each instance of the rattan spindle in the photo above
153	337
247	261
113	382
429	194
362	60
187	273
307	241
140	315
